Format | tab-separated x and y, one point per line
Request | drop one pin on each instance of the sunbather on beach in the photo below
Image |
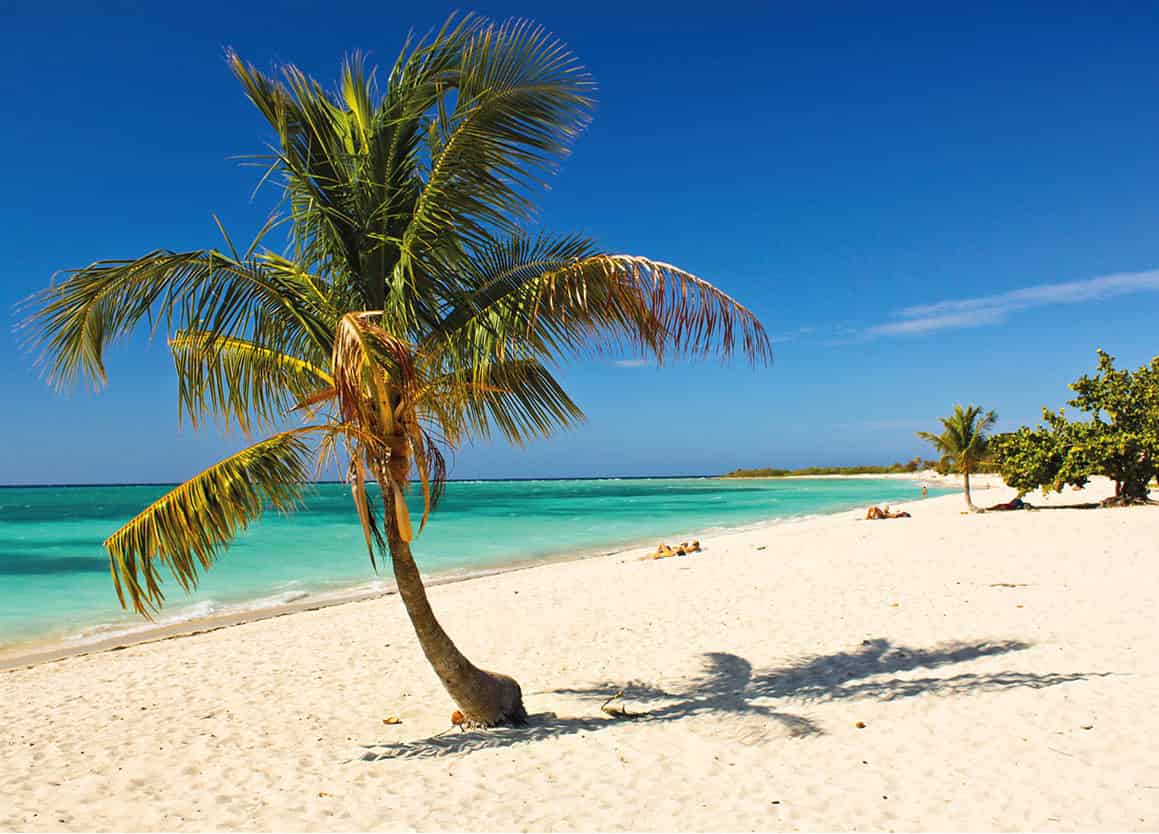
874	513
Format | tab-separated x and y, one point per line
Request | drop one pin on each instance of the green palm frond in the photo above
238	380
188	527
522	99
73	322
349	164
963	441
518	397
935	439
501	279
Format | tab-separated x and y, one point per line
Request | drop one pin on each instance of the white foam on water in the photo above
273	601
196	611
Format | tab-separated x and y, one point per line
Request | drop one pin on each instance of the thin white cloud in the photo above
993	309
632	363
790	336
948	321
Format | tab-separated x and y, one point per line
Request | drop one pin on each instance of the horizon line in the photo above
449	480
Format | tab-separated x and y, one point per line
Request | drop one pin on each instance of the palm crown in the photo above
411	308
963	442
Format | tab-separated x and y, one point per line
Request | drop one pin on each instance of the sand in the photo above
947	671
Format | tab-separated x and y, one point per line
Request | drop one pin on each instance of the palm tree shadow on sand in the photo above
729	686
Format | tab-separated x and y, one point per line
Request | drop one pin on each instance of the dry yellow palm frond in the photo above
374	385
188	527
366	517
315	398
544	297
661	306
367	364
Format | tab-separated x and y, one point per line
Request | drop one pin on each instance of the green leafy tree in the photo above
963	442
1033	458
1120	440
409	312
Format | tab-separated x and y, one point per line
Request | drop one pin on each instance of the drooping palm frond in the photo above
188	527
667	308
554	296
371	531
375	387
432	471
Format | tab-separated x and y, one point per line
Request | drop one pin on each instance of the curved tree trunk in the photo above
966	481
485	698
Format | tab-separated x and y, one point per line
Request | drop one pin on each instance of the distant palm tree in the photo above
963	442
410	312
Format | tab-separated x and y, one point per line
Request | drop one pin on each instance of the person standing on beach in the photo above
925	491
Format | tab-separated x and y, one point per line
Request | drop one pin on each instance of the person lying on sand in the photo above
663	551
876	512
1015	504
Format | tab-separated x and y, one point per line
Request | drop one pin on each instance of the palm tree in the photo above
409	311
964	442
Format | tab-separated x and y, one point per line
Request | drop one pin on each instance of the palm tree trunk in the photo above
485	698
966	481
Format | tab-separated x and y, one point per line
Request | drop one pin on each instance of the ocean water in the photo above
54	576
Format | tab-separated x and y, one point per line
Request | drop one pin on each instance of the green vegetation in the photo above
915	465
1120	440
408	311
963	442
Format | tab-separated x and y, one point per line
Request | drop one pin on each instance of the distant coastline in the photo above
914	468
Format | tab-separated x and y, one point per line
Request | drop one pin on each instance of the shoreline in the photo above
34	652
949	671
19	655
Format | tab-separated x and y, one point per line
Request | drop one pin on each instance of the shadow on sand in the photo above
729	685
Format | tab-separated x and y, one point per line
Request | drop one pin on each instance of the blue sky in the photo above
922	206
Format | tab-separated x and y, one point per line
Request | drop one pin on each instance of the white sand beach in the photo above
946	671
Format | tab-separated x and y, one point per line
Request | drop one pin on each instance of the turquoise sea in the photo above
54	578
